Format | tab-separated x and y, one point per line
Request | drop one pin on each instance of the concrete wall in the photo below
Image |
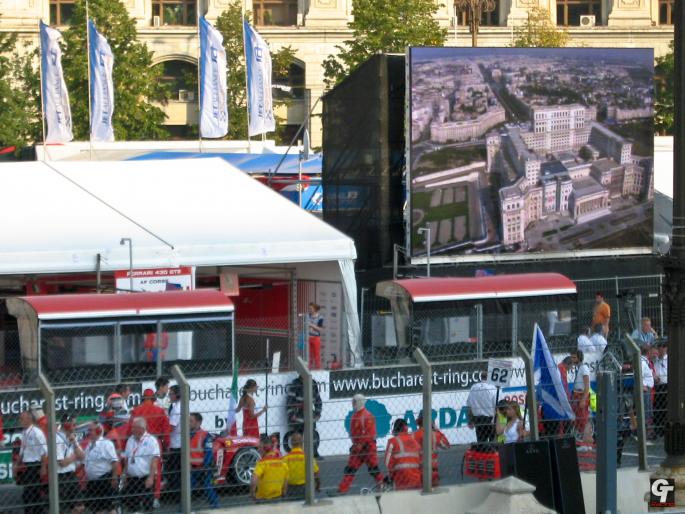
632	486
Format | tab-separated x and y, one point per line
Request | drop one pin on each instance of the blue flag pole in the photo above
199	97
247	85
90	114
42	89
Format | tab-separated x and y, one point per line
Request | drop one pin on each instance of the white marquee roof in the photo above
57	216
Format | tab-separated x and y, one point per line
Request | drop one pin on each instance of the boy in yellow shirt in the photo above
270	477
296	473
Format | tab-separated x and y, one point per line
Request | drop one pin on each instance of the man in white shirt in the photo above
661	388
142	461
33	455
647	386
581	396
162	393
598	340
585	345
68	454
481	404
102	471
172	464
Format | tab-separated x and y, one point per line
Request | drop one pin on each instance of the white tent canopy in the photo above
58	216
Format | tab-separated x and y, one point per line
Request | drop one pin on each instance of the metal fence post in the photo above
427	465
606	442
53	485
185	438
639	402
531	401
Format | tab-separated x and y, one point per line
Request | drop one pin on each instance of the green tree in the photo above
384	26
539	32
663	106
230	24
137	84
20	120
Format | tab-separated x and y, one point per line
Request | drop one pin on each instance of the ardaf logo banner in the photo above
662	492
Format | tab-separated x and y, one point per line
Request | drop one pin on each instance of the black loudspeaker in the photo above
568	490
531	462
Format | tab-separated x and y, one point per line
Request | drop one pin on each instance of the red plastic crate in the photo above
484	465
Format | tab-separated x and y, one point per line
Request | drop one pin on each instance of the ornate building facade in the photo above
313	28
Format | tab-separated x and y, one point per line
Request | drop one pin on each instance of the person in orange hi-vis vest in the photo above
402	457
363	449
439	442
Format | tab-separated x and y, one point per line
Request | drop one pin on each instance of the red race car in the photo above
235	458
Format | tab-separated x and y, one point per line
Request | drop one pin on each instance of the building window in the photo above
666	12
275	12
174	12
570	11
61	12
487	19
181	80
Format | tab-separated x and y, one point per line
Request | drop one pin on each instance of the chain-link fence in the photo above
123	446
490	328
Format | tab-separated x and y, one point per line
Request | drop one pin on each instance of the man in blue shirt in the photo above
645	334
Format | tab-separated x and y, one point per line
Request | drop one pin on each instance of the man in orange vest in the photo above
202	459
363	450
439	441
402	457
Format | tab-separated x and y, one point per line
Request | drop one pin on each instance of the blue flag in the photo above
101	86
258	67
549	388
54	90
213	99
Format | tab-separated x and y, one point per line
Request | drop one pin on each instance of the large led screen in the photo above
516	150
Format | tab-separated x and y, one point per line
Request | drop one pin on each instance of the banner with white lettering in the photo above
54	90
101	86
213	99
258	66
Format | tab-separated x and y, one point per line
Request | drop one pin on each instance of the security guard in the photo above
402	458
363	449
439	442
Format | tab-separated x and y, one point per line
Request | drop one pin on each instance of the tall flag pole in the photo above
213	98
90	114
199	92
101	86
54	96
258	73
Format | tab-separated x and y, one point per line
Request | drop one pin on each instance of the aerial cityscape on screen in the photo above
529	150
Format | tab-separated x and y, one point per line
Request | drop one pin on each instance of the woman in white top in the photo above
513	429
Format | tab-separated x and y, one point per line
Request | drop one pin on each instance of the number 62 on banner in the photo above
499	372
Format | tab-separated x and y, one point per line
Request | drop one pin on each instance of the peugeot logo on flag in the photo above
53	56
258	53
214	54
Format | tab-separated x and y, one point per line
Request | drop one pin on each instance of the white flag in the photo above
54	90
258	64
213	100
101	86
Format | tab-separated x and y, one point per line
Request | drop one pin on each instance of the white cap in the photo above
358	400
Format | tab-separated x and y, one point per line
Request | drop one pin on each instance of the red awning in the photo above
73	306
499	286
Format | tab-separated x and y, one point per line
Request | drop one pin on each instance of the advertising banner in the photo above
515	150
392	392
157	280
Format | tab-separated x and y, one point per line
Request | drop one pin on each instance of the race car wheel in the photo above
243	465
